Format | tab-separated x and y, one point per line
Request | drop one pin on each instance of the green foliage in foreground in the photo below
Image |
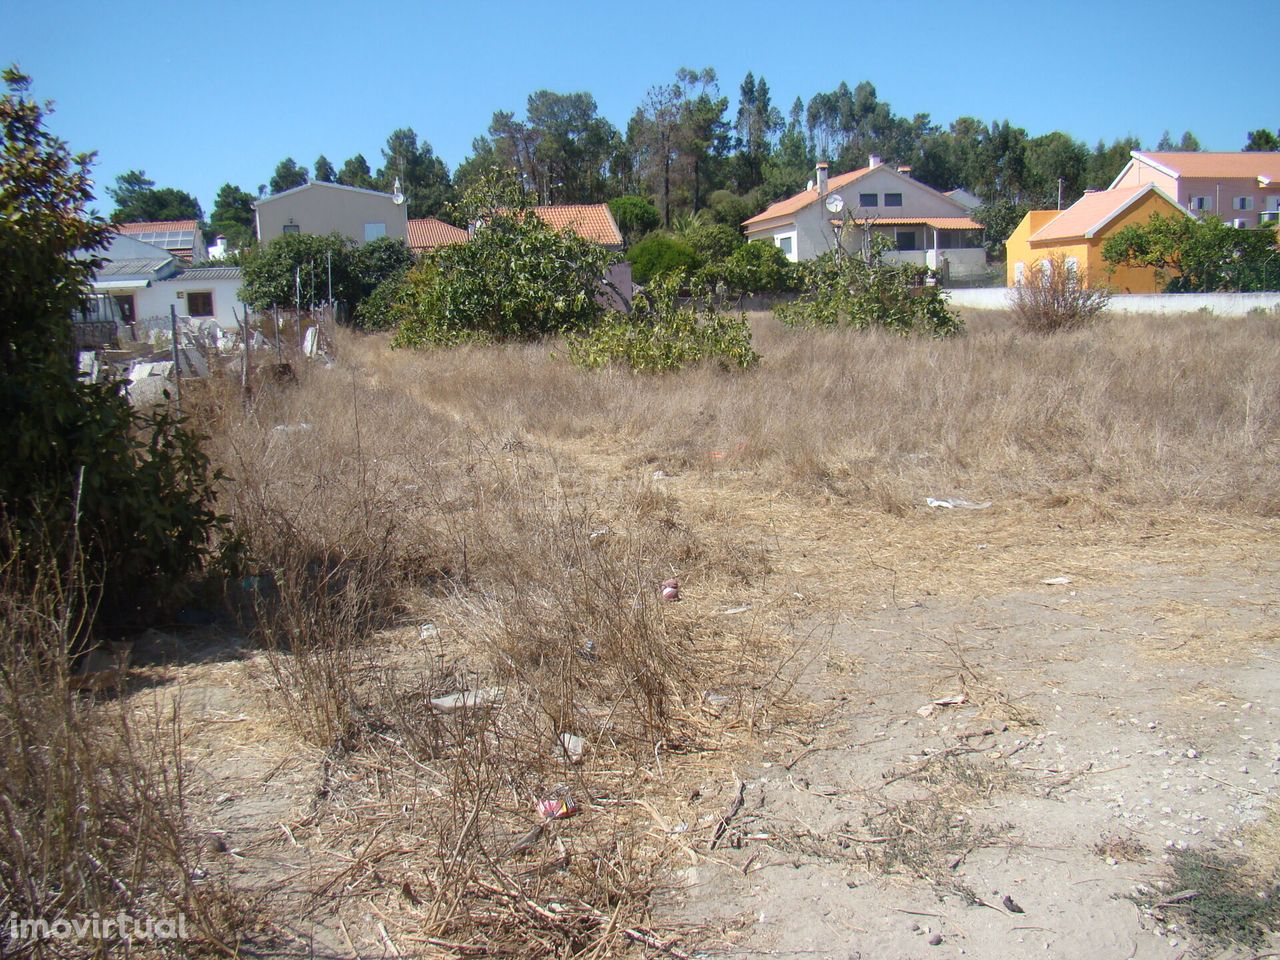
516	279
851	291
1199	255
127	496
661	334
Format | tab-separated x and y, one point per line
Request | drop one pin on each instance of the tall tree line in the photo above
685	151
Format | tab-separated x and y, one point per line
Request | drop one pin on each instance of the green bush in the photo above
713	242
383	308
635	216
516	278
660	254
756	267
660	334
127	497
843	290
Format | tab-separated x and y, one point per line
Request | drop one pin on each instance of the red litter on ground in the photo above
558	806
671	590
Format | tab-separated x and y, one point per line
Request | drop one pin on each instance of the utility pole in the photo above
1060	193
177	367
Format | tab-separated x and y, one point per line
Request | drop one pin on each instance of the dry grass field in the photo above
758	769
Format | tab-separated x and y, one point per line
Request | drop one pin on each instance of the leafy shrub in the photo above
659	254
851	291
129	496
728	208
756	267
516	278
660	334
713	242
635	216
383	308
1195	255
1053	297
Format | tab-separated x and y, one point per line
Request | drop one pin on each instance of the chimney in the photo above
822	179
874	161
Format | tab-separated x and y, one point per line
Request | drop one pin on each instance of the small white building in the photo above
924	226
145	280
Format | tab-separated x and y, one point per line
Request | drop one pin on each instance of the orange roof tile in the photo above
155	226
429	233
1218	166
590	221
1093	211
805	197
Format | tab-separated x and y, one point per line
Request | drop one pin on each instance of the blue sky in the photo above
198	94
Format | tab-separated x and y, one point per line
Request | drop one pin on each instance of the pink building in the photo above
1239	188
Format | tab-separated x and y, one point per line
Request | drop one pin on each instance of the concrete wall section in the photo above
1219	304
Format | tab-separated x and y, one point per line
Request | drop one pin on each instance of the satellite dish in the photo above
396	195
835	203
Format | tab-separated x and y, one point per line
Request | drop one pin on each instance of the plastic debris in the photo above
483	699
734	611
428	631
1056	581
671	590
956	503
557	805
659	474
574	747
955	700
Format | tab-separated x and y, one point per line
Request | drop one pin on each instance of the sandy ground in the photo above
1104	722
1086	728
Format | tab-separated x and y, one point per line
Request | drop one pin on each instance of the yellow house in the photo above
1079	232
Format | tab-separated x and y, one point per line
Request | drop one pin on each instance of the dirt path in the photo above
1104	722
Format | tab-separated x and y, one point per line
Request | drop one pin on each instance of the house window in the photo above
893	199
374	231
868	199
1273	204
1242	203
786	242
200	303
1240	223
1200	203
1019	269
291	228
1269	216
906	240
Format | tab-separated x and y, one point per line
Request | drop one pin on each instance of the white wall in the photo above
1219	304
154	300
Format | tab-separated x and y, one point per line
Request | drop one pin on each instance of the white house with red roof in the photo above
926	227
1242	189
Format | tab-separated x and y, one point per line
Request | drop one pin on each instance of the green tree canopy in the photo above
1198	255
325	173
423	176
287	176
355	172
635	216
138	200
232	215
1262	139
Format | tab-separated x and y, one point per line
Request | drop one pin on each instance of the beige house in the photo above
324	208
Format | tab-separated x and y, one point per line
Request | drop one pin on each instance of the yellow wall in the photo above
1088	253
1018	247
